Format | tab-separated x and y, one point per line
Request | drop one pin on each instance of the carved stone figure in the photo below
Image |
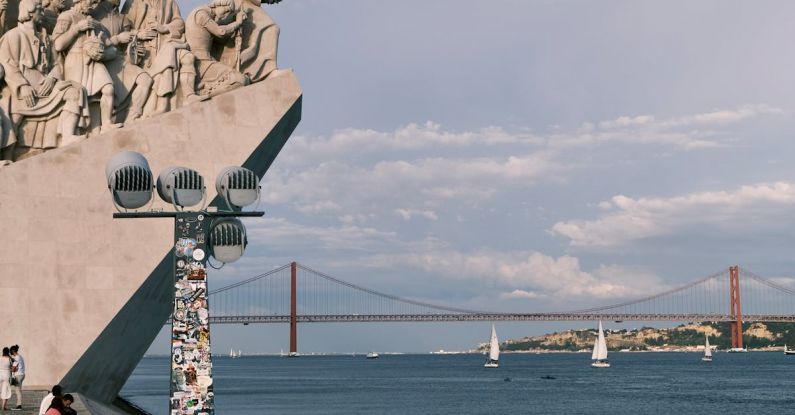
205	24
253	50
159	31
79	37
42	106
131	84
52	9
4	24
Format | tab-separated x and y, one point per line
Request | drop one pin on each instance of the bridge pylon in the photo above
736	311
293	310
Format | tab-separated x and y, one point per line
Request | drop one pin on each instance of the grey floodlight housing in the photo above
129	180
238	186
180	186
227	239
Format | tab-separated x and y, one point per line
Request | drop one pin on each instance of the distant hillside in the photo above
683	337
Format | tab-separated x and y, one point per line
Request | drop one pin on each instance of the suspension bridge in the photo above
295	293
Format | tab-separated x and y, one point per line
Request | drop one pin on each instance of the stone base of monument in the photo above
84	295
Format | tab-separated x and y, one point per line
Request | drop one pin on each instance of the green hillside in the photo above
685	336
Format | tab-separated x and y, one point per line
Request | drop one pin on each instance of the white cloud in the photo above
526	274
363	173
285	234
520	294
407	214
417	185
626	219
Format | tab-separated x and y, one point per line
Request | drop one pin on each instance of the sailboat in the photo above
494	350
599	355
232	354
707	351
788	351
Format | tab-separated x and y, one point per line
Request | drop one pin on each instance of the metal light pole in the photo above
197	236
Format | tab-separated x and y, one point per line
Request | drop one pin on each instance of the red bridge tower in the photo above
737	324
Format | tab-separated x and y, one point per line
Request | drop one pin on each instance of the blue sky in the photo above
525	156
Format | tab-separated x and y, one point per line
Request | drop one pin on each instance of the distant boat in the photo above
293	354
707	350
281	353
494	350
788	351
599	355
738	350
372	355
233	355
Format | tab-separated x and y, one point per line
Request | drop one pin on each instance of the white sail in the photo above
707	349
601	344
494	348
595	349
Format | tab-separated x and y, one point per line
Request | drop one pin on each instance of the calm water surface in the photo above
761	383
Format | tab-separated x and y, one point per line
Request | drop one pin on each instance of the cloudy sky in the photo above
521	155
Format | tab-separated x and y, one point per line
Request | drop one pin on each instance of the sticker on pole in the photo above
198	254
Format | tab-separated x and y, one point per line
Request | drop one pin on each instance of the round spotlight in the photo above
227	239
180	186
129	180
238	186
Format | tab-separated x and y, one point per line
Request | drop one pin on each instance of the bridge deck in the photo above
362	318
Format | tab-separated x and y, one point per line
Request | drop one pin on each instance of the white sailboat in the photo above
599	355
372	355
494	350
788	351
707	351
232	354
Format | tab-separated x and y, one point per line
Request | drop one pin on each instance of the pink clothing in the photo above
52	411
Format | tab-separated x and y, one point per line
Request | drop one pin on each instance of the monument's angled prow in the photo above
86	295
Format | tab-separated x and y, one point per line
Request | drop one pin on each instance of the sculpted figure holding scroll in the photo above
45	109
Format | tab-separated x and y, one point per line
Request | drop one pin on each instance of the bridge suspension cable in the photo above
322	297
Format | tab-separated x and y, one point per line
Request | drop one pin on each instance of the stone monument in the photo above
86	295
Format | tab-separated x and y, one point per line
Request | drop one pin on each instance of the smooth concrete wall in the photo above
83	294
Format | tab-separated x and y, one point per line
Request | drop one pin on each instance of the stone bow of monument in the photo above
86	295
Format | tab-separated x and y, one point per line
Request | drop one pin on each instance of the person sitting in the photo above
45	403
56	407
68	399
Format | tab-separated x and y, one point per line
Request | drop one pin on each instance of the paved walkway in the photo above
31	399
30	403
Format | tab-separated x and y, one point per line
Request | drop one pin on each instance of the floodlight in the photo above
238	186
129	180
180	186
227	239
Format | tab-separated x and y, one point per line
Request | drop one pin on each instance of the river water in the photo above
637	383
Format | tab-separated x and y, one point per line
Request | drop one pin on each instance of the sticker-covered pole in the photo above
191	358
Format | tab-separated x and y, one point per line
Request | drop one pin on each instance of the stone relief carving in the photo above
131	84
218	21
70	69
45	111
